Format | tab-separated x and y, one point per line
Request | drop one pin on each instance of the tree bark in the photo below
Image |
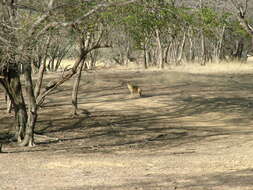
191	49
40	79
42	69
160	51
203	49
145	56
8	103
181	49
32	109
67	75
75	89
239	49
12	86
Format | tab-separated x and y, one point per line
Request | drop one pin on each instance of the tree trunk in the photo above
173	51
40	79
145	56
191	51
220	43
8	103
75	89
203	49
181	49
32	109
167	56
42	69
12	86
67	75
238	50
160	51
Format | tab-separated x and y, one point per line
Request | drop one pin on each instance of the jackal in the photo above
134	89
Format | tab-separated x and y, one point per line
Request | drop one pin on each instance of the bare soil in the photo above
187	132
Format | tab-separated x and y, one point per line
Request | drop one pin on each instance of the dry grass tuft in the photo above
211	67
222	67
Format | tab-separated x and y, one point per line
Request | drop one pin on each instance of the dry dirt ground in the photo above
188	132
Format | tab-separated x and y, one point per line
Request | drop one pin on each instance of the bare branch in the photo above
50	4
43	17
245	6
25	7
86	15
242	10
4	41
67	74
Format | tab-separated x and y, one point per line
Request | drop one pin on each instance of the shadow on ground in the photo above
173	110
241	179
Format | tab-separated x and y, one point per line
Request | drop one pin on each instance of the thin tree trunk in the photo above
203	44
191	52
40	79
181	49
42	69
8	103
173	52
238	50
217	47
145	56
160	51
220	42
60	81
203	49
75	89
167	56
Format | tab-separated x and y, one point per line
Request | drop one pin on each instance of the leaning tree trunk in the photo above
40	79
181	49
66	76
11	78
42	69
75	89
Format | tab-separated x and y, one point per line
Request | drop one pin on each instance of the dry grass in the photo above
67	63
211	68
194	68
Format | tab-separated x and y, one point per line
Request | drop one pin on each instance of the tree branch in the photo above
4	41
52	85
242	10
86	15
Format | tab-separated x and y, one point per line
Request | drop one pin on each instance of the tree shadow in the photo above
140	126
228	180
241	179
